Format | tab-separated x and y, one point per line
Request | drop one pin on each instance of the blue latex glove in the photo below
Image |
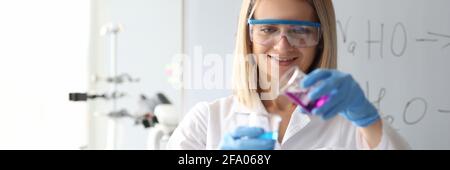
345	97
247	138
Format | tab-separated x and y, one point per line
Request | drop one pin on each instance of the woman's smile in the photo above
283	61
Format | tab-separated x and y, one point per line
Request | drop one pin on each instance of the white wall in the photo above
210	28
151	37
43	57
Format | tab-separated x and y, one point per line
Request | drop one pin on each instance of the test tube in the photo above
291	88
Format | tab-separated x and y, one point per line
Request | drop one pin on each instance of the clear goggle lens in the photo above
303	34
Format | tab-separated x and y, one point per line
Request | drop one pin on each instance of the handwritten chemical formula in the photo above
393	39
382	40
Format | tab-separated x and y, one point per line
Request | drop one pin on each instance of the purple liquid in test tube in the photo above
291	88
300	99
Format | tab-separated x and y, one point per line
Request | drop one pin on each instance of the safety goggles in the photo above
300	34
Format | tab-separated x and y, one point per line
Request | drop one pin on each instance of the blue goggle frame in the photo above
285	22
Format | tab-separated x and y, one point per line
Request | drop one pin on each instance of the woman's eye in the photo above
268	30
302	31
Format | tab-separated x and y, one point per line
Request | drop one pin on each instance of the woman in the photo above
283	34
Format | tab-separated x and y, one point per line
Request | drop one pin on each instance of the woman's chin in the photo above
284	69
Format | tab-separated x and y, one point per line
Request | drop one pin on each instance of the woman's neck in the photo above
279	105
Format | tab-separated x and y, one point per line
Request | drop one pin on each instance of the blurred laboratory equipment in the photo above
168	119
147	115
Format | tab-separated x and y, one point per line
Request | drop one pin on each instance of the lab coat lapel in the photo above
297	123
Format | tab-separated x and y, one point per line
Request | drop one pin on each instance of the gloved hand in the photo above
247	138
345	97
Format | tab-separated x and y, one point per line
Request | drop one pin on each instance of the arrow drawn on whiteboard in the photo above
442	36
445	46
439	35
424	40
444	111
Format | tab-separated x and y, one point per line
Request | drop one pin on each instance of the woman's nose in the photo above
283	45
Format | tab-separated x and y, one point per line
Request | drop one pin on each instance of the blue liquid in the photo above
269	135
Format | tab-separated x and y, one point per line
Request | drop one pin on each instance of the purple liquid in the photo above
300	99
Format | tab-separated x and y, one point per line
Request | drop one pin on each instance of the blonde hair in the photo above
243	66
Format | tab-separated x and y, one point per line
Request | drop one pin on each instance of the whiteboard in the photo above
399	52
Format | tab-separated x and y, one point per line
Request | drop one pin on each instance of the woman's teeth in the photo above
284	60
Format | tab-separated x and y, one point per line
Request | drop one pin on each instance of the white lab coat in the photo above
205	124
